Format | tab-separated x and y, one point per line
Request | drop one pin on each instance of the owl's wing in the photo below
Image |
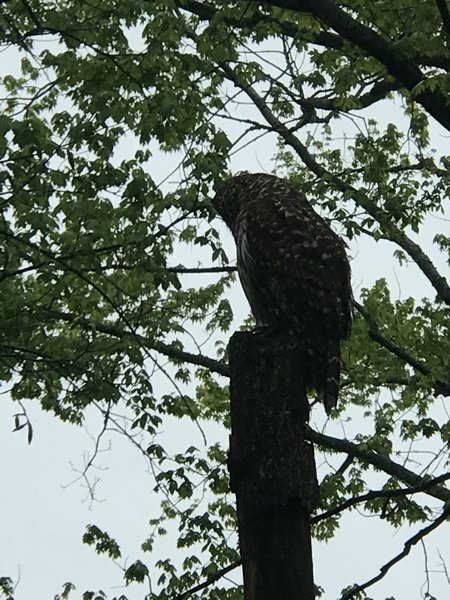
301	262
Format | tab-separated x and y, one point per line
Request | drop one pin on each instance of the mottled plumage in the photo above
294	270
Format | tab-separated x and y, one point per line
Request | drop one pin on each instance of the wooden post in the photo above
272	468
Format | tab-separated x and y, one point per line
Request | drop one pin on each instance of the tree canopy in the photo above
115	277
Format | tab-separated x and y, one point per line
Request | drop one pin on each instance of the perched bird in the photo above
294	270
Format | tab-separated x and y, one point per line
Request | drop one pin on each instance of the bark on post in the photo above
272	468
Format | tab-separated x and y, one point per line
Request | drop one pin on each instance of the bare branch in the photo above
444	568
415	539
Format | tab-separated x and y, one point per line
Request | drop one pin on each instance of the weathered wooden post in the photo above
271	467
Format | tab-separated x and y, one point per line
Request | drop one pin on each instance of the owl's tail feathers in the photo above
333	374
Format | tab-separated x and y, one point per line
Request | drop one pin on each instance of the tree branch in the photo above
424	263
169	351
326	39
397	63
206	12
181	269
445	14
355	591
415	489
374	332
378	92
209	581
379	461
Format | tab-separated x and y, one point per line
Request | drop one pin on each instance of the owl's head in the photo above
232	195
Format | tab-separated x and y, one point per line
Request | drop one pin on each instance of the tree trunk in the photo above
271	467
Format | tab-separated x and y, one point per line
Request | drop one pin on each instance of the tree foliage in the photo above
98	291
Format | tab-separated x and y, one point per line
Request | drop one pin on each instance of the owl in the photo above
294	271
